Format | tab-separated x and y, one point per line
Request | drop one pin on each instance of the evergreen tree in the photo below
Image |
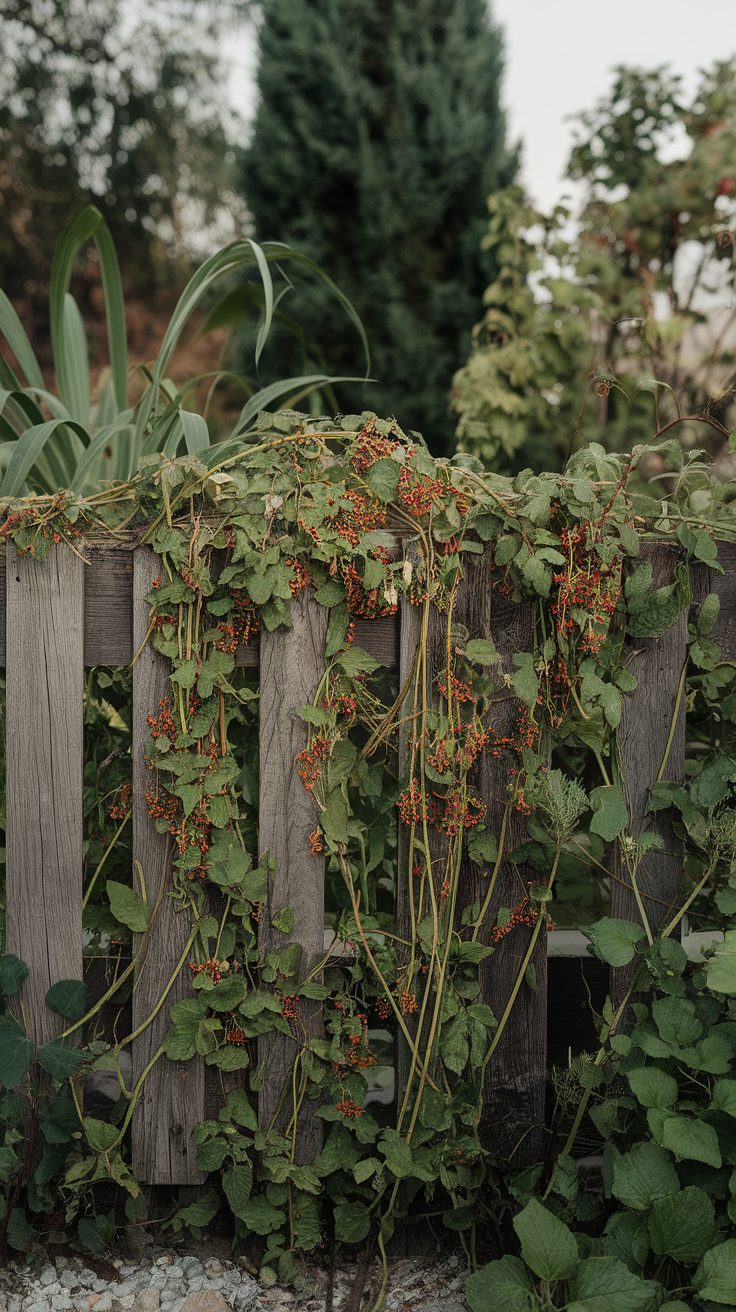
378	137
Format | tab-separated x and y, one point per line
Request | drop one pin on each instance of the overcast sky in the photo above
559	57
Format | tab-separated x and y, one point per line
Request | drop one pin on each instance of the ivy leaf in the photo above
16	1052
20	1233
652	611
237	1183
180	1042
682	1225
481	651
239	1110
691	1140
383	479
524	681
715	1278
216	668
547	1245
127	906
504	1284
614	941
605	1284
68	998
352	1221
610	812
720	968
653	1087
397	1153
100	1134
60	1059
13	972
643	1175
356	661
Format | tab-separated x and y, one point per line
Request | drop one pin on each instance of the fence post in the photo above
172	1099
651	745
44	747
513	1116
516	1080
292	664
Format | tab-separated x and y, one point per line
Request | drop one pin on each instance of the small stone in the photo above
205	1300
68	1279
175	1272
47	1277
213	1267
149	1300
93	1300
61	1302
104	1303
164	1260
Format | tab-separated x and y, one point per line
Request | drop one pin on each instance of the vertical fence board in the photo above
652	726
172	1100
292	663
513	1117
44	746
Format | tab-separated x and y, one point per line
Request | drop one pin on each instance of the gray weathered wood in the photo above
172	1101
44	744
652	727
704	580
108	610
513	1115
292	663
512	1123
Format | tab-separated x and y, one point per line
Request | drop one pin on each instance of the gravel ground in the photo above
168	1281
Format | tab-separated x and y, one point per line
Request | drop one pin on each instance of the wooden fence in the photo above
62	616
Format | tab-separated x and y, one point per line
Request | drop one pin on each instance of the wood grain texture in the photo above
172	1101
704	580
292	663
650	713
44	747
108	614
513	1117
512	1123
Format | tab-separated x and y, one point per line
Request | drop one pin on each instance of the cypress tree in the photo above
378	136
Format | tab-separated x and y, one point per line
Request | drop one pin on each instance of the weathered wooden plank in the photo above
651	745
705	580
512	1123
172	1101
108	612
513	1116
292	663
44	746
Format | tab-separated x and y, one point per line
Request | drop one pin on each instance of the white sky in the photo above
559	57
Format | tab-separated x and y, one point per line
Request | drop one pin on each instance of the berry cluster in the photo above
309	762
347	1106
163	724
369	448
455	811
243	623
290	1006
119	806
459	690
411	804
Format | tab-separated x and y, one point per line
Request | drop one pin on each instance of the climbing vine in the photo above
358	518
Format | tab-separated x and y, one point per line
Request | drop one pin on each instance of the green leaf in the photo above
481	651
643	1175
524	681
397	1153
724	1097
60	1059
715	1278
682	1225
676	1021
691	1140
383	479
127	906
237	1183
653	1087
501	1286
68	998
100	1135
13	972
720	968
604	1284
356	661
614	941
547	1245
352	1222
238	1109
16	1052
20	1233
610	813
